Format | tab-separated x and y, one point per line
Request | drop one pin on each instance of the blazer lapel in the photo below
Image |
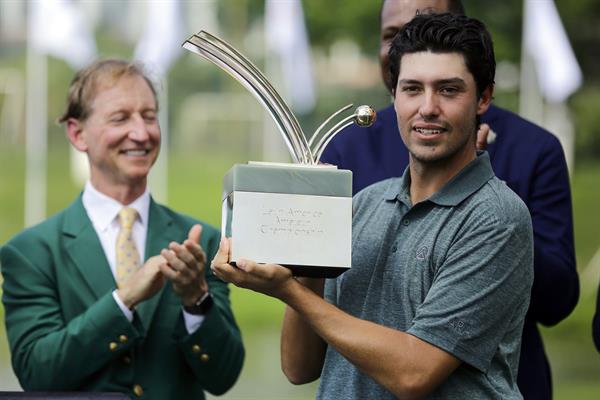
160	233
84	248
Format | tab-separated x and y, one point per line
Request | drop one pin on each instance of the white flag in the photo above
546	41
160	44
286	36
59	28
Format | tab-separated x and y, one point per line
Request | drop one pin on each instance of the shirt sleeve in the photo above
192	322
126	311
480	292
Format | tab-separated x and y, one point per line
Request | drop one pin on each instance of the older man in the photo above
84	312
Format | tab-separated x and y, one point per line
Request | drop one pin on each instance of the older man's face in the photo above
121	136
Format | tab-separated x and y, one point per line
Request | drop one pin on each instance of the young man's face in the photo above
121	136
394	15
436	105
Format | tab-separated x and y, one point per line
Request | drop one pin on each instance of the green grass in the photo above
586	197
195	189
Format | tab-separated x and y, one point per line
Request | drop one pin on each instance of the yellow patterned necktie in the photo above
128	258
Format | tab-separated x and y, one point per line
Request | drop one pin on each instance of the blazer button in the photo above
123	339
204	357
127	360
113	346
196	349
137	390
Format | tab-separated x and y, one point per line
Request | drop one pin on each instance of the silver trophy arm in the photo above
317	133
250	84
363	116
235	64
289	115
260	76
320	147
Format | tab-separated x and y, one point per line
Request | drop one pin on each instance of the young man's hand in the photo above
270	279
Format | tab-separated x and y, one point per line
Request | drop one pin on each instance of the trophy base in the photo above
299	217
316	272
309	271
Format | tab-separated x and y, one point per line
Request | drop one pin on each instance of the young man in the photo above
442	258
531	162
82	312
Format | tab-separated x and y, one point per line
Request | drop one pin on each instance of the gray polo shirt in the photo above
454	270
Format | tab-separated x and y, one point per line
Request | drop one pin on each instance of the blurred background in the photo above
320	55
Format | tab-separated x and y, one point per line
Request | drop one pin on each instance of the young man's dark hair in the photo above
447	33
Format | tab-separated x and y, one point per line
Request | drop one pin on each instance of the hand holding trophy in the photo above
297	215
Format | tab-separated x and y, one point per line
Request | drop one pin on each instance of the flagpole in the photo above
287	64
531	102
159	177
36	145
549	73
157	49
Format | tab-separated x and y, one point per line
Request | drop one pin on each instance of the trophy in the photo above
298	215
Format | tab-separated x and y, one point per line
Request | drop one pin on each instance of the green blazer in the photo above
66	332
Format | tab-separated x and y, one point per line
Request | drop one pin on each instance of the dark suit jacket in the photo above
66	332
596	323
532	163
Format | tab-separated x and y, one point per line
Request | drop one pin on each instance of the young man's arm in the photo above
405	365
302	350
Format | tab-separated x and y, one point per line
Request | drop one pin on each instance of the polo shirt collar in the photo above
461	186
399	189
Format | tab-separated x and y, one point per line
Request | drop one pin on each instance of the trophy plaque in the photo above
295	214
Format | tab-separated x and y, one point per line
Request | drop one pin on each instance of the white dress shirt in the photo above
103	211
